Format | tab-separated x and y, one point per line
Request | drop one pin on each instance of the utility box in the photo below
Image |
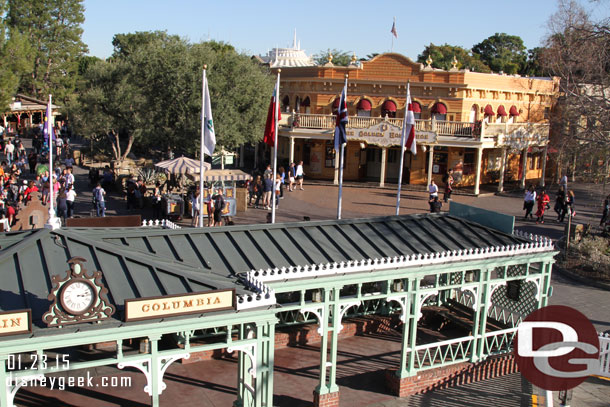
241	198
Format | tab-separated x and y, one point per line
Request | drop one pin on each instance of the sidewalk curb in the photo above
581	279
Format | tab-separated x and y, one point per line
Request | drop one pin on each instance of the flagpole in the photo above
402	149
54	222
341	157
276	107
201	153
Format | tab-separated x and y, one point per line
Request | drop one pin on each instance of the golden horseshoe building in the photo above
489	128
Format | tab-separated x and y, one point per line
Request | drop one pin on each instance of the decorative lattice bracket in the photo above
249	350
345	307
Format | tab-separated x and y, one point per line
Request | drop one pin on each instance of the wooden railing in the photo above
441	128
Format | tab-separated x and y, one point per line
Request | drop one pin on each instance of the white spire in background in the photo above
294	42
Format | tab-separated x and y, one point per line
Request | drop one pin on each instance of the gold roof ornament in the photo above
429	62
354	59
330	57
454	63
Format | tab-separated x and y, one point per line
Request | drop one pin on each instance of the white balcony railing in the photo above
441	128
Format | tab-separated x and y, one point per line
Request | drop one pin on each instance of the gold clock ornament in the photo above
78	297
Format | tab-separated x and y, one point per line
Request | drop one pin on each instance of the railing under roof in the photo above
478	130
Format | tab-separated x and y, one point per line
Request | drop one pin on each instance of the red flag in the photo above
269	138
409	124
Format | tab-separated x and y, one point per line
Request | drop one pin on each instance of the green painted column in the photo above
265	343
270	362
402	371
334	343
322	388
484	295
154	369
3	385
545	284
413	318
241	369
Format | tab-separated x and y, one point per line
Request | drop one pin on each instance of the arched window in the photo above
439	111
286	104
297	104
306	102
513	114
364	108
501	114
474	114
416	110
489	113
388	108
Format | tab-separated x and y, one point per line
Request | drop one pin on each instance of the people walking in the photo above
99	201
196	208
448	180
219	205
432	190
292	175
543	203
267	189
299	175
529	200
70	197
568	206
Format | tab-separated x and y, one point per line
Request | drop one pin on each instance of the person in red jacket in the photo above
543	203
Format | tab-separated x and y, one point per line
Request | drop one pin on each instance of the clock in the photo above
77	296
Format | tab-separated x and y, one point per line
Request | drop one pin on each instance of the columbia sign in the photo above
556	348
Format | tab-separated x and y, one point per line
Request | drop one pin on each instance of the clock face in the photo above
77	297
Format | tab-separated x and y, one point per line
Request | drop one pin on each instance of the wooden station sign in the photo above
183	304
15	322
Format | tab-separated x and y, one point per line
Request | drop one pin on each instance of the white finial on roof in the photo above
294	43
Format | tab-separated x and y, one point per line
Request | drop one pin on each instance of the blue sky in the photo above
358	26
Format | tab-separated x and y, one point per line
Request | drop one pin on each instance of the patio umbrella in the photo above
181	165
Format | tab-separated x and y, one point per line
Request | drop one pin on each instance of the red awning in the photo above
389	106
489	111
439	108
416	107
336	103
501	111
365	105
513	111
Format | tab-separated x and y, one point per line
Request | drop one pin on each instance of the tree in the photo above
502	52
340	58
533	65
13	61
53	29
148	95
578	52
442	58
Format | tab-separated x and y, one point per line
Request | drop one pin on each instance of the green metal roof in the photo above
146	262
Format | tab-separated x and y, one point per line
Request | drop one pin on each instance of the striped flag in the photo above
270	126
408	125
340	135
393	30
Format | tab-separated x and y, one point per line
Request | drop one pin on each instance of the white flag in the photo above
209	137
